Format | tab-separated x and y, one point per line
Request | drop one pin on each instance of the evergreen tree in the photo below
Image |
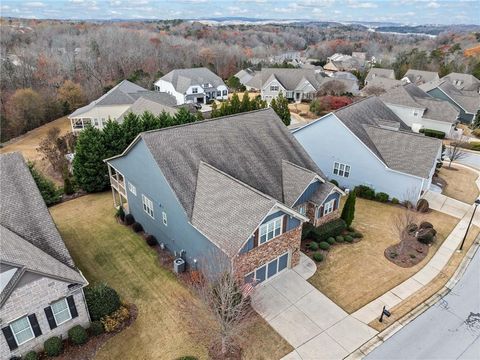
348	212
149	121
235	105
131	127
50	194
114	139
214	112
89	170
280	105
246	104
183	116
476	121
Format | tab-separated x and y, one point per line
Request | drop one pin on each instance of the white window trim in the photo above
266	233
302	209
29	327
164	218
148	205
132	188
67	309
194	90
328	207
341	171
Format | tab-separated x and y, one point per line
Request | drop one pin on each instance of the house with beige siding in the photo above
41	289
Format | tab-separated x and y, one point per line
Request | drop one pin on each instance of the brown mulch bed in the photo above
407	253
88	350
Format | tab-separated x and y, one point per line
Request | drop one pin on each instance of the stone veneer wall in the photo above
288	241
324	219
32	298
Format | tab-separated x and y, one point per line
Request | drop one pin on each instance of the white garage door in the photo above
268	270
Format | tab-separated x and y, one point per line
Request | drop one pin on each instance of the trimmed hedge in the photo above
381	197
96	328
129	219
334	182
433	133
151	240
307	230
102	300
331	240
348	239
339	239
313	246
365	192
330	229
78	335
324	245
137	227
53	346
318	257
395	201
31	355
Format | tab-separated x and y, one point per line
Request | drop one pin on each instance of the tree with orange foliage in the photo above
71	95
25	111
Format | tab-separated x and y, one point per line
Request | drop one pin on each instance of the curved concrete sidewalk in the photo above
313	324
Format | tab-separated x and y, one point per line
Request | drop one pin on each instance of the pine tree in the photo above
114	139
348	212
280	105
50	194
89	170
183	116
131	127
245	104
235	105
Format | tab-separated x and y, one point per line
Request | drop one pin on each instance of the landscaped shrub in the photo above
313	246
120	213
137	227
331	240
433	133
78	335
357	235
330	229
96	328
411	228
365	192
318	257
31	355
426	236
53	346
151	240
425	225
348	239
324	245
423	206
129	219
334	182
306	230
113	321
339	239
395	201
101	300
382	197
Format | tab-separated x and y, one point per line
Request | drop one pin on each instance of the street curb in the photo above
381	337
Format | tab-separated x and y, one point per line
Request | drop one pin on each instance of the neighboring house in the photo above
419	110
295	84
230	191
464	82
466	101
348	79
419	77
255	83
365	143
342	62
122	99
374	73
195	85
245	75
378	85
41	290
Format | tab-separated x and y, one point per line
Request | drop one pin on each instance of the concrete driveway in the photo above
313	324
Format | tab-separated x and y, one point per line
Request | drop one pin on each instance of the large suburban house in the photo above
466	101
365	143
420	111
343	62
465	82
122	99
41	290
233	190
195	85
374	73
419	77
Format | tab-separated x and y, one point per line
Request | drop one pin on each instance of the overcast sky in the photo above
403	11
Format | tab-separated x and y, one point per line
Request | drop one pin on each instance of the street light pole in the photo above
477	202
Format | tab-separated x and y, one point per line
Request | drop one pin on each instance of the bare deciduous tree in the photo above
373	90
456	150
402	222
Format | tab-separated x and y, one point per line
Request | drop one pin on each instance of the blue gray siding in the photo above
307	194
463	117
333	196
139	168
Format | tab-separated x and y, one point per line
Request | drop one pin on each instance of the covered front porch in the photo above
117	181
78	124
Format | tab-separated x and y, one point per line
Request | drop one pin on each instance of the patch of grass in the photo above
107	251
460	183
354	275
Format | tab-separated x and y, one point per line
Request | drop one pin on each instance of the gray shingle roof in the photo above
291	78
469	101
421	76
230	228
400	150
295	180
182	79
249	147
463	81
379	72
143	104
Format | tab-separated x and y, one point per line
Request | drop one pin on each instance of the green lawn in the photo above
107	251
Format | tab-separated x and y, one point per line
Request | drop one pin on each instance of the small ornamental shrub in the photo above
433	133
331	240
137	227
313	246
68	187
151	240
426	236
96	328
339	239
423	206
350	229
318	257
31	355
381	197
365	192
101	300
306	230
78	335
425	225
357	235
411	228
334	182
395	201
330	229
129	219
324	245
53	346
348	239
120	213
114	321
